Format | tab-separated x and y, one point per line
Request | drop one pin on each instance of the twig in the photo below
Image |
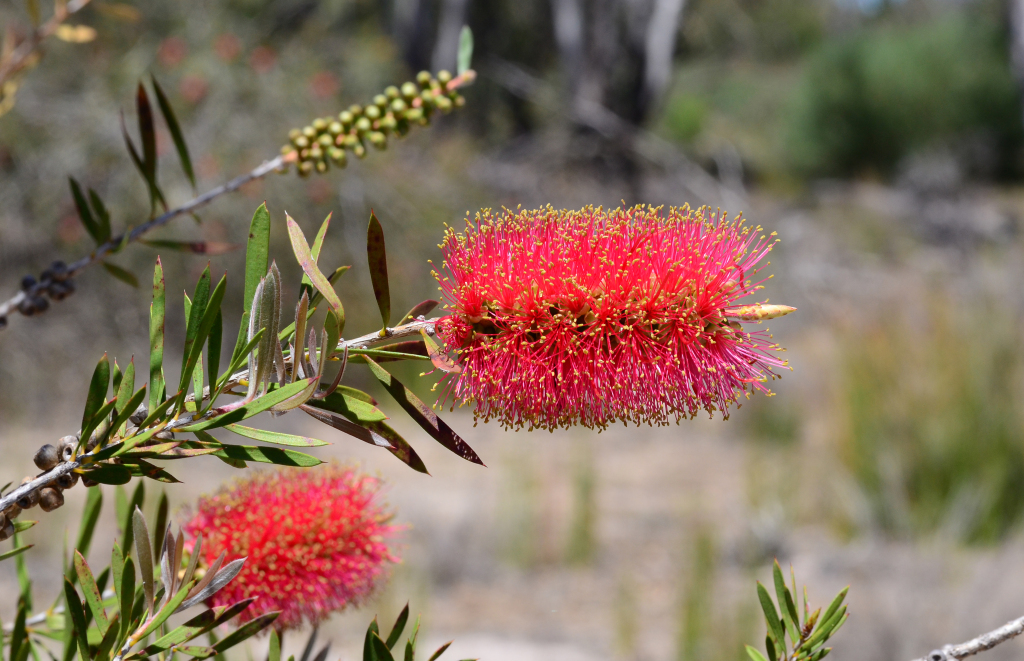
365	341
985	641
102	251
21	55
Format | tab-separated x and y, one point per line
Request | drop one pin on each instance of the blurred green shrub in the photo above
684	117
868	100
934	437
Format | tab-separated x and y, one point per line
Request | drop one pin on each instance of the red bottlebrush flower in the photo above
591	317
315	541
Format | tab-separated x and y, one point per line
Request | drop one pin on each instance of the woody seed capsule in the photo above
46	457
67	480
12	512
67	447
50	499
29	500
7	531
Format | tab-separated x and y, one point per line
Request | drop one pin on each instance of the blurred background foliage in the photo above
881	139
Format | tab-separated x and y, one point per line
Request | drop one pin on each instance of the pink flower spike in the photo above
316	541
593	317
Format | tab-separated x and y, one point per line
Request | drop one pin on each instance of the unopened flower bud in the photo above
391	92
444	104
335	128
325	140
321	166
308	132
363	125
444	76
356	110
305	168
301	142
294	134
351	141
46	457
346	118
50	499
316	152
423	78
319	125
409	90
338	155
28	282
372	113
378	140
428	98
388	123
459	100
399	106
414	114
359	150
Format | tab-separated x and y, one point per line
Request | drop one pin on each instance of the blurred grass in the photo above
934	437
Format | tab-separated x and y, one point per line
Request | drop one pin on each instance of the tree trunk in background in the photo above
617	53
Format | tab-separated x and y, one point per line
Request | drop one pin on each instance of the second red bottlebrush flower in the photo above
316	541
592	317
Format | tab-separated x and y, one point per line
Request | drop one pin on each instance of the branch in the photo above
49	477
21	56
985	641
114	243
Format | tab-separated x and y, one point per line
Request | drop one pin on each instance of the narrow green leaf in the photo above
94	401
423	415
770	614
245	631
136	502
318	243
204	326
124	392
465	50
399	446
785	600
127	596
154	191
168	608
156	339
160	530
129	407
93	597
102	216
278	438
22	526
309	267
84	213
421	309
179	139
108	474
144	553
275	647
213	349
74	607
125	276
260	454
194	247
19	636
834	606
342	402
117	569
396	631
380	649
376	257
256	255
90	515
258	405
440	650
332	278
97	420
754	654
197	309
147	133
15	552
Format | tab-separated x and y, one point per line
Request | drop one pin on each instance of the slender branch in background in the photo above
310	149
97	255
982	643
21	57
362	342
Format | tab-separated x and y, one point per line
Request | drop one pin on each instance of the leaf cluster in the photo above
807	635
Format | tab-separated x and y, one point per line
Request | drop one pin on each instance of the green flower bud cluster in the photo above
328	140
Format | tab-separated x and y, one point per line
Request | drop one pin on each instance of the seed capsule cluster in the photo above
55	283
329	139
48	497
